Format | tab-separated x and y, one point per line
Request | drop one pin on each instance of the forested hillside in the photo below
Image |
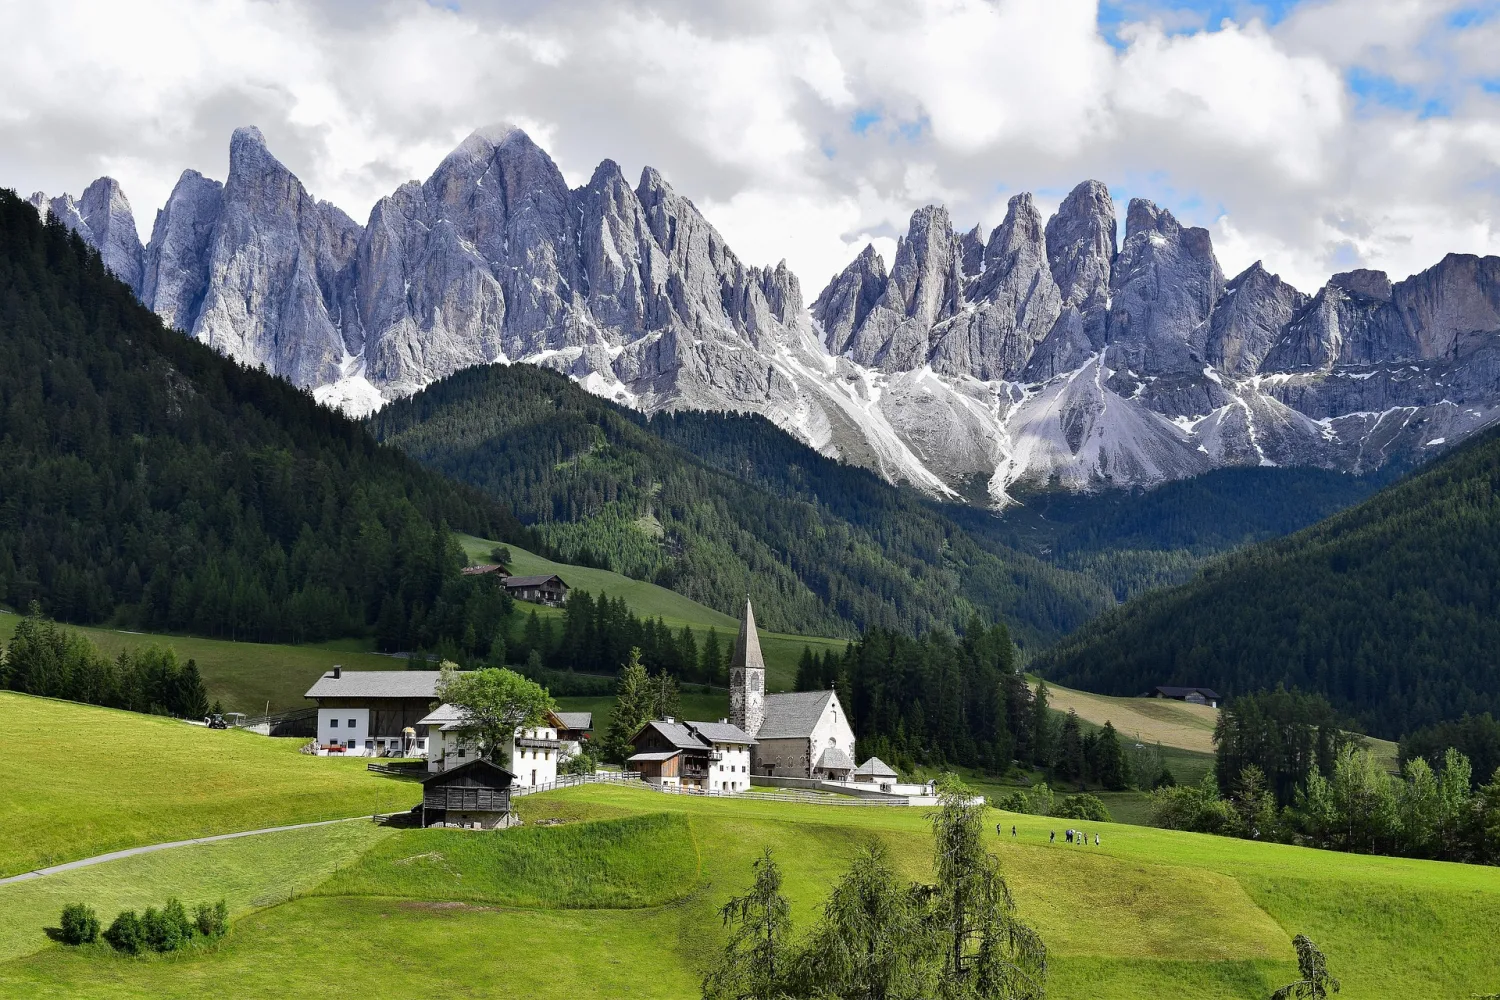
716	506
148	481
1390	609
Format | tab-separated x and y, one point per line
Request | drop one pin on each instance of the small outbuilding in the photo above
472	796
875	770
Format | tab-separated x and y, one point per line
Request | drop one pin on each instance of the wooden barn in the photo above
549	590
472	796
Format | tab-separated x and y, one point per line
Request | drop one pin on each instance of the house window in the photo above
333	723
353	723
460	751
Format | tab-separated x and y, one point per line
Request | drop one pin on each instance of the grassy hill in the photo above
1390	609
619	901
80	781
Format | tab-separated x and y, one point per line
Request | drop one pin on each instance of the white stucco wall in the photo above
731	773
832	729
534	766
342	725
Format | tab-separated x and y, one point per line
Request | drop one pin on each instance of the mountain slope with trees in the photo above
152	483
1390	609
717	506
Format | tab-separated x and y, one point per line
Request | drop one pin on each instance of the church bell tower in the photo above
747	678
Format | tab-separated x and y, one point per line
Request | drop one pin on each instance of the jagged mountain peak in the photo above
1374	284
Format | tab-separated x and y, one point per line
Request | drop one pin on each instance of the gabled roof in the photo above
482	569
834	759
1182	692
477	763
793	715
376	684
532	581
876	767
747	646
675	733
444	716
656	755
576	720
721	732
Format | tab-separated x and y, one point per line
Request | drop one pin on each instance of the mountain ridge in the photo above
1048	353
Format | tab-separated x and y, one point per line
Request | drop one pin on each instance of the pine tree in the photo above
1316	982
1042	744
753	965
666	700
1070	761
1113	770
633	704
713	660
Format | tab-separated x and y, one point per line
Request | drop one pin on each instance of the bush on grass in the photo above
1083	806
125	934
79	924
212	921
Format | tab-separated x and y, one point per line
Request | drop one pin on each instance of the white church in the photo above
802	734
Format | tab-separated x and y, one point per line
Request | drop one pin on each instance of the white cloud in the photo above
749	109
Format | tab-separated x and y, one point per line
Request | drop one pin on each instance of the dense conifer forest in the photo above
716	506
150	482
1391	609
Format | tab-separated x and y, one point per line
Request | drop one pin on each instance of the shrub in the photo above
125	934
1083	806
167	929
212	921
79	924
1015	802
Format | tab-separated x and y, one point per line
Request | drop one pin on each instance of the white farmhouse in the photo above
535	752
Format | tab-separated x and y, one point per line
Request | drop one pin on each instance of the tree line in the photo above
154	484
1285	772
46	659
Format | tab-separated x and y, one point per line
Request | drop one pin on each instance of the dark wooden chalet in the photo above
474	795
537	589
681	753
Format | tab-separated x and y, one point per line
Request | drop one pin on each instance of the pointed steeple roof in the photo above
747	647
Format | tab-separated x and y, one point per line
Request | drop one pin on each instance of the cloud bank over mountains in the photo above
1318	136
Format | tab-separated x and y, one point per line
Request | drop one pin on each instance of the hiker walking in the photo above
1053	836
1013	831
1096	840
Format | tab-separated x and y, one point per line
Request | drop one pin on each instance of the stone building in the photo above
801	734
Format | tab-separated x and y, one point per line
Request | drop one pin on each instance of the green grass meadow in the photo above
79	781
610	891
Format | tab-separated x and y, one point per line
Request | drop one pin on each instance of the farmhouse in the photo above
534	755
573	731
367	712
802	734
475	795
1191	695
485	569
549	590
710	756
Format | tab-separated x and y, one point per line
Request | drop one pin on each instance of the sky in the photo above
1316	136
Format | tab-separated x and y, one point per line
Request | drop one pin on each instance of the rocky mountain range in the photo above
1042	354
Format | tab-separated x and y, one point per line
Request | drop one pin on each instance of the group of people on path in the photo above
1070	836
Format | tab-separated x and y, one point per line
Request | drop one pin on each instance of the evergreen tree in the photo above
809	674
714	668
1315	982
754	963
1043	747
634	702
666	700
1070	761
1112	767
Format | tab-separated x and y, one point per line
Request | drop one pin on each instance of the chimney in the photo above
669	720
338	671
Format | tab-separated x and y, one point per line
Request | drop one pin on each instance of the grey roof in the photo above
477	762
576	720
443	715
677	734
877	767
655	755
834	759
747	646
1183	692
721	732
532	581
792	715
376	684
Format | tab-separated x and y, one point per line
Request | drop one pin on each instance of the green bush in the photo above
1083	806
126	934
79	924
1015	802
212	921
167	929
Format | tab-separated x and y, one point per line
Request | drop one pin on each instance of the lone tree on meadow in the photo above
1316	983
635	701
754	963
494	703
988	952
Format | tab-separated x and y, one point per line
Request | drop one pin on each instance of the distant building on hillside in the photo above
485	569
801	734
708	756
474	796
549	590
574	731
1191	695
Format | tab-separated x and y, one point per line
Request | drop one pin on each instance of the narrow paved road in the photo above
131	852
